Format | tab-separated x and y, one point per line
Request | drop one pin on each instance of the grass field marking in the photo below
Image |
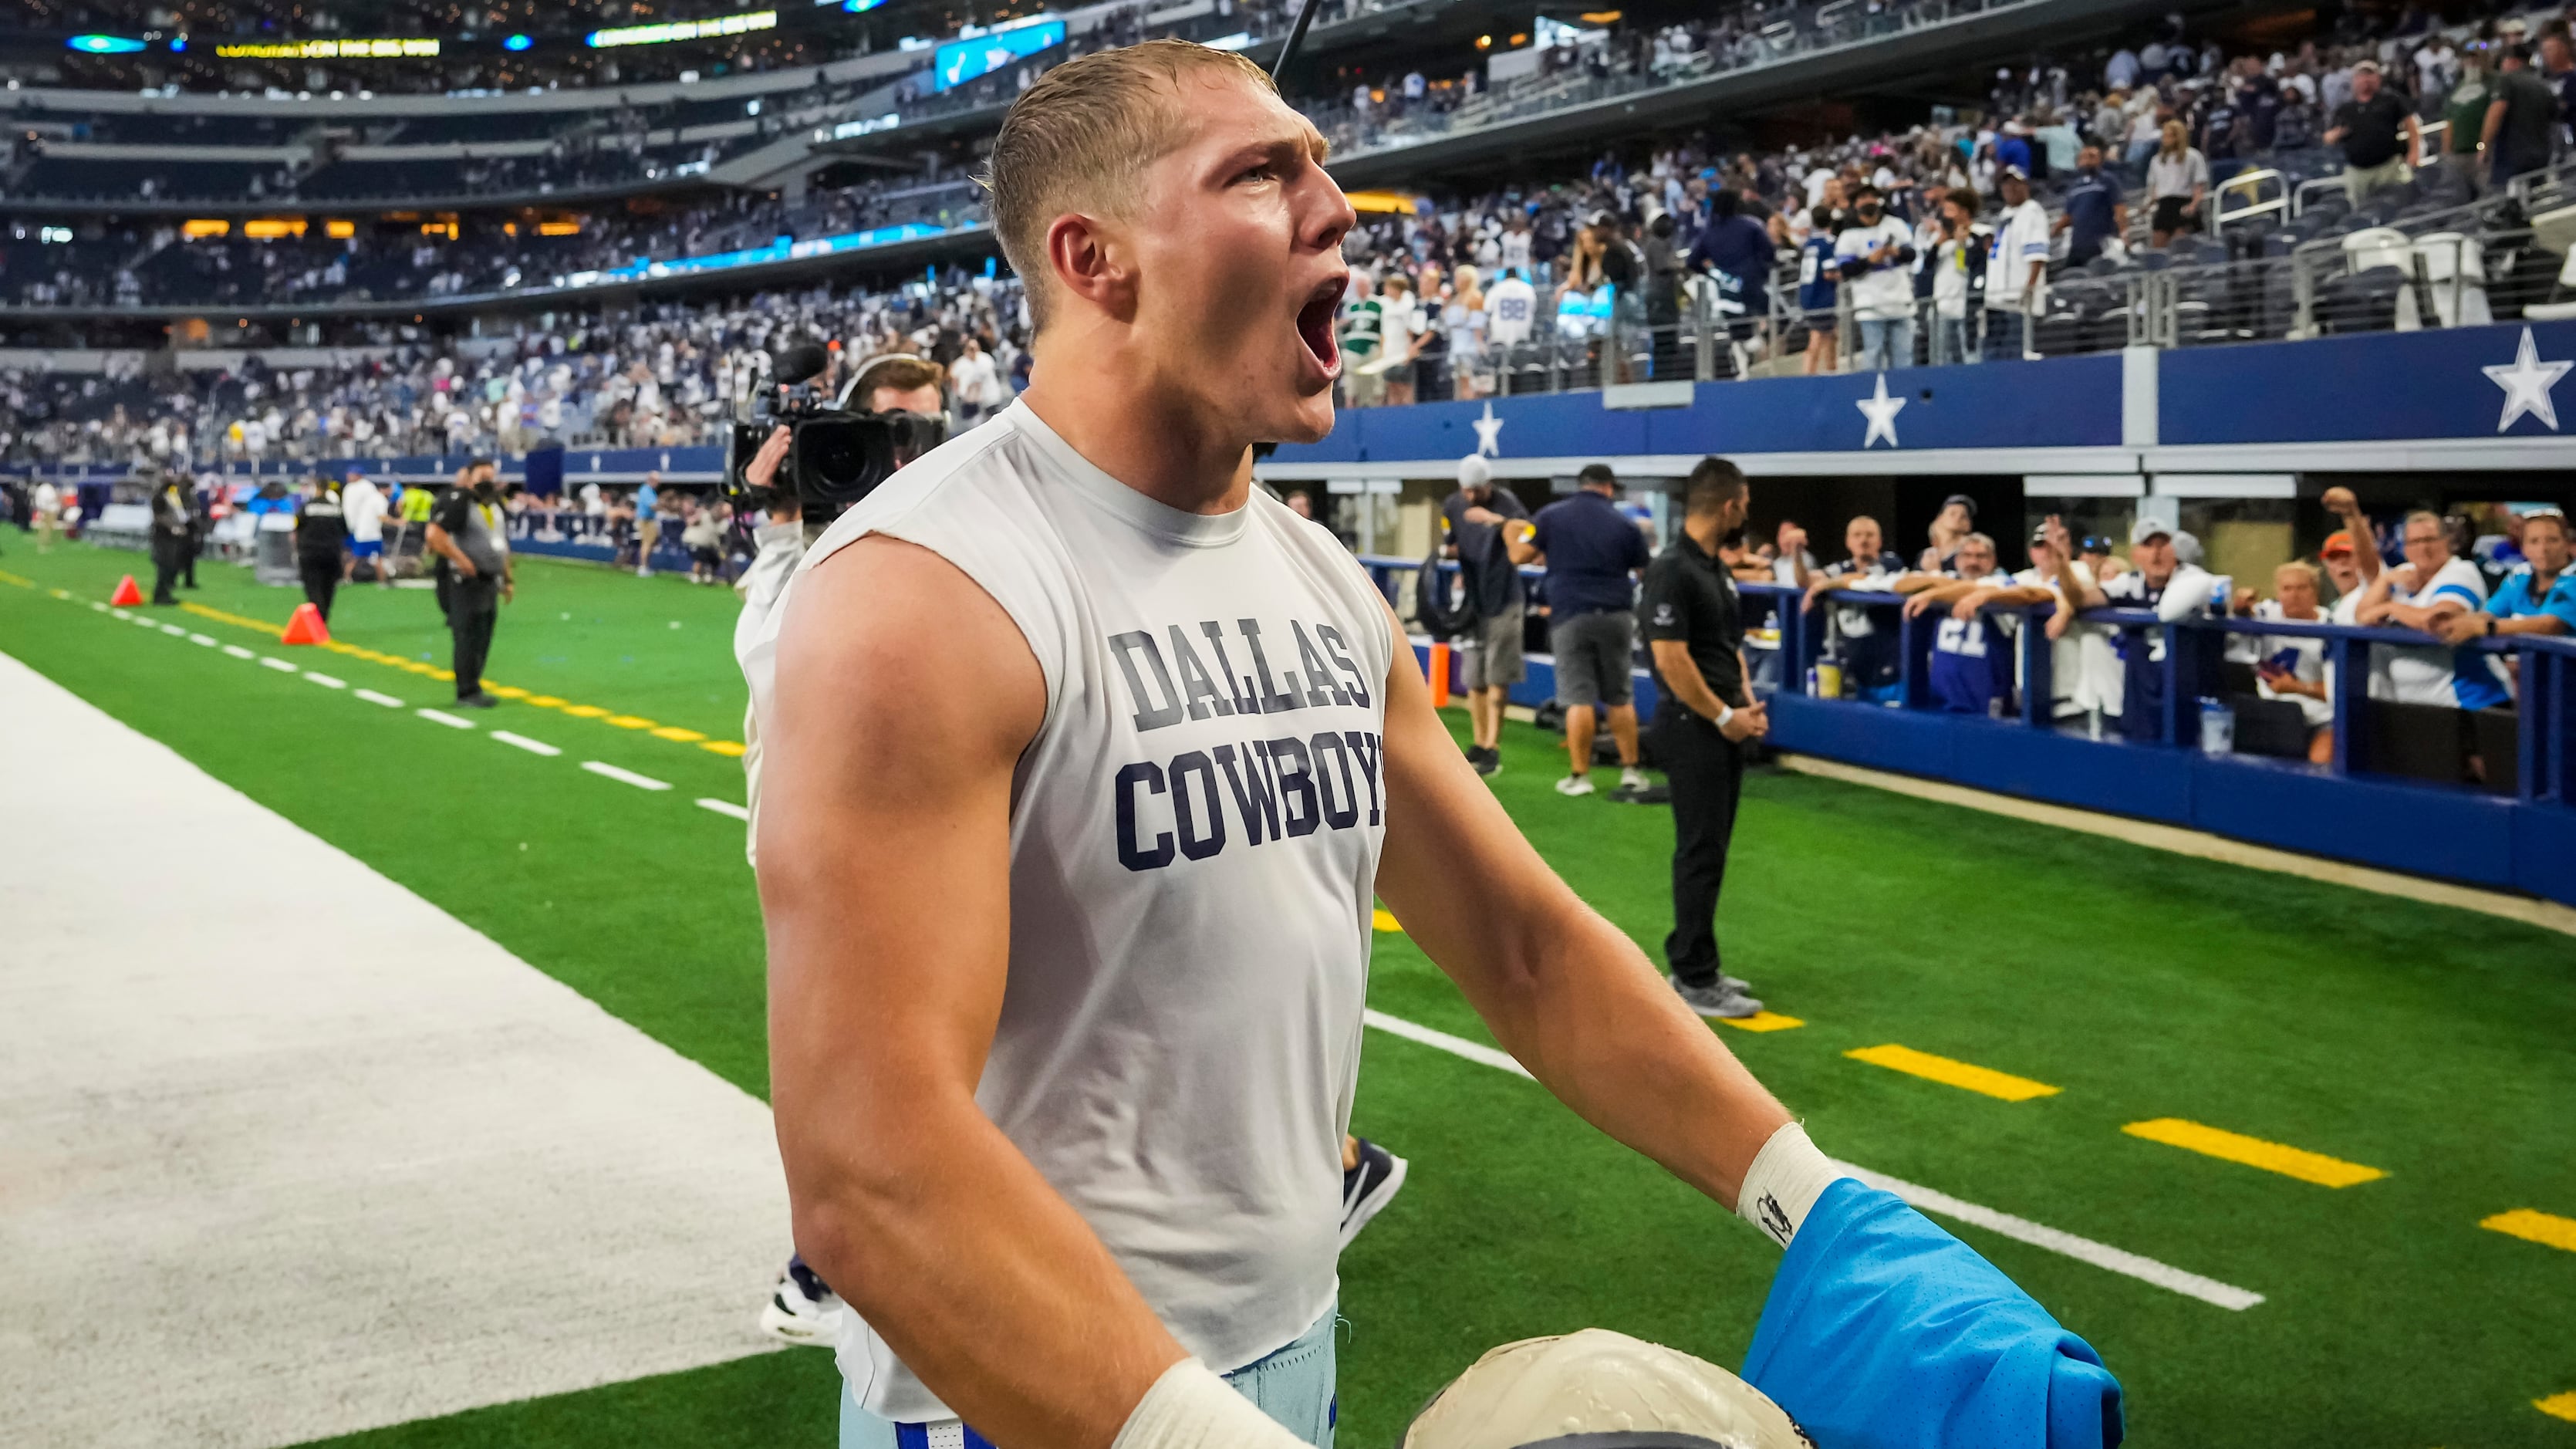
1924	1199
504	691
585	711
534	747
98	607
326	681
629	721
2040	1235
371	697
733	748
2534	1226
676	733
2558	1406
724	807
1761	1021
238	652
544	701
1967	1076
440	716
7	577
174	631
208	640
279	664
2548	915
1382	919
624	777
2235	1147
1456	1046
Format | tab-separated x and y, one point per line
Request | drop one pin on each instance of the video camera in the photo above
835	455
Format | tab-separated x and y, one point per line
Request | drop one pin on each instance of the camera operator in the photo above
802	1307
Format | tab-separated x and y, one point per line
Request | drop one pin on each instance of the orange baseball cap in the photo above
2339	541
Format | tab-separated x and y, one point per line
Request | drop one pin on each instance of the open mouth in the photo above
1315	323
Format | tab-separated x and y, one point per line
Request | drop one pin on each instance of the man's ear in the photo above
1091	260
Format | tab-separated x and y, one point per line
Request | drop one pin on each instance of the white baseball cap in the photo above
1474	471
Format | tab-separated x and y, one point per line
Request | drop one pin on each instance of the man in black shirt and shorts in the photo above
1592	551
1703	714
2382	141
1473	521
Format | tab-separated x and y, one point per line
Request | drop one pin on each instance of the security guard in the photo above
1704	712
321	532
170	525
468	532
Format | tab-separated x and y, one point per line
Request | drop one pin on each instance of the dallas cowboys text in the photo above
1276	778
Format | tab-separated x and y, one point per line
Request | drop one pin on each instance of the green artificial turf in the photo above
2424	1041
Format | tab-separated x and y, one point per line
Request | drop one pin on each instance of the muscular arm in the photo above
443	543
1564	991
885	884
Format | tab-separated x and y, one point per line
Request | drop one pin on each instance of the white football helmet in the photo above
1600	1390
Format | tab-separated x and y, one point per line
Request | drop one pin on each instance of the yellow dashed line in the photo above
1384	920
1763	1021
1967	1076
2533	1226
674	732
505	691
724	747
7	577
544	701
627	721
2227	1146
2558	1406
585	711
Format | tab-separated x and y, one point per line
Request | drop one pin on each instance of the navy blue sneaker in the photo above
1369	1187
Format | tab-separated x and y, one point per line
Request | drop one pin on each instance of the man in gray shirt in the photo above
468	533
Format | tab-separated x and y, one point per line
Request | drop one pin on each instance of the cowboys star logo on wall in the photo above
1881	410
1489	430
2526	382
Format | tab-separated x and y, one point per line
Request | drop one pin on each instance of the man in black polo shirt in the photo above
1704	711
2380	137
1472	525
468	534
1591	550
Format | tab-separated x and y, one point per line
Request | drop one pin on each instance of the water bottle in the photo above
1829	679
1811	681
2217	727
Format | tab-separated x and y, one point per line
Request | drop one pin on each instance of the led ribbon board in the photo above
960	61
376	49
668	31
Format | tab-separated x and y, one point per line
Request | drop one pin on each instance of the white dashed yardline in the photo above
279	664
440	716
1923	1199
174	631
98	607
326	681
724	807
238	652
534	747
371	697
201	639
624	777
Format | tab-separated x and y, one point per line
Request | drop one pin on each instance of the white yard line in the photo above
534	747
624	777
278	664
724	807
371	697
201	639
440	716
326	681
1924	1199
238	652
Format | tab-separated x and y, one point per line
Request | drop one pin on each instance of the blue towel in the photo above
1884	1332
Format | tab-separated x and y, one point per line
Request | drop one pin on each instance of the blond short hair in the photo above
1082	136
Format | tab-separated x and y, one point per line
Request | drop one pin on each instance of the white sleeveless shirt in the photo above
1194	846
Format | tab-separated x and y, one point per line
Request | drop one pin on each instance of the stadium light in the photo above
104	44
668	31
517	42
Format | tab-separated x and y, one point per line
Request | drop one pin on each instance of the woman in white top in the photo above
2177	183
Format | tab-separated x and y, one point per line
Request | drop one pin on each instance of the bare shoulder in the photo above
886	638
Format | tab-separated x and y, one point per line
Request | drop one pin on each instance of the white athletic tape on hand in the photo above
1190	1407
1786	1178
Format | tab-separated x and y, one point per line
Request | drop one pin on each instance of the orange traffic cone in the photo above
306	627
126	595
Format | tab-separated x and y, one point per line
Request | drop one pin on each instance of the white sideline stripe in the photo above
1924	1199
440	716
351	1162
2040	1235
174	631
201	639
238	652
326	681
625	777
724	807
102	608
1456	1046
534	747
277	664
371	697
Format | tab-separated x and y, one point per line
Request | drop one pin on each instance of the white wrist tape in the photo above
1786	1178
1190	1407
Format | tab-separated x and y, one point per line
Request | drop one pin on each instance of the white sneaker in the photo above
1574	785
1633	778
801	1308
